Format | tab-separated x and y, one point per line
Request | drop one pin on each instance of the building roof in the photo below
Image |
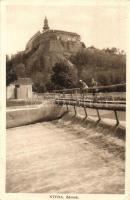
23	81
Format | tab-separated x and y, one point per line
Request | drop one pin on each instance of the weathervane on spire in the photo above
46	27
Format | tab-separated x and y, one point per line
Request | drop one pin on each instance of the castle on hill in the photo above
60	35
48	33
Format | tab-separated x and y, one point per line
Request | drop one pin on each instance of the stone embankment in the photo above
20	116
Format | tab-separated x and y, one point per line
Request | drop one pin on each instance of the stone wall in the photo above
33	40
61	35
32	114
58	35
24	92
10	91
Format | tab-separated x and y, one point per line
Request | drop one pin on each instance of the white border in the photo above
34	196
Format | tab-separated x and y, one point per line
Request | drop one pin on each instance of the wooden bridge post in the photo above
86	114
117	120
67	107
75	111
98	114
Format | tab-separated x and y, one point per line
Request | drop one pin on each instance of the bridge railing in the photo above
103	93
100	98
111	97
110	92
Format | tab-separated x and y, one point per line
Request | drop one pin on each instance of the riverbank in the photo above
29	114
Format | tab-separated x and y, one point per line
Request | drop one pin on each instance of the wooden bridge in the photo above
100	98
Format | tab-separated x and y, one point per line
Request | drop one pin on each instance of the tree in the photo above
20	70
10	73
107	66
10	77
39	80
63	76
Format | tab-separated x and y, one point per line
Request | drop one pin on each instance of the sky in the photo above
99	25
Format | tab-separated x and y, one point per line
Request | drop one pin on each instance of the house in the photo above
23	88
20	89
10	91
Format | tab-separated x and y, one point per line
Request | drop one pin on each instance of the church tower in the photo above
46	27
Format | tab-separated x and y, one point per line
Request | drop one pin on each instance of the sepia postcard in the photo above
64	100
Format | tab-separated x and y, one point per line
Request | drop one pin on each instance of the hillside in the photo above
45	50
42	52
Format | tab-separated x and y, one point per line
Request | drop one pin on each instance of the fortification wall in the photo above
67	37
33	41
61	35
70	41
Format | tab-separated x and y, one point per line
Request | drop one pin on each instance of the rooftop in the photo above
23	81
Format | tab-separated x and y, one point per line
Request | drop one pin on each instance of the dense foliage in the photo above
63	76
107	67
10	73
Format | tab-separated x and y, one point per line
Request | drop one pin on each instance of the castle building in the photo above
51	34
59	34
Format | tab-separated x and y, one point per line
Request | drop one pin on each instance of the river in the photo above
64	156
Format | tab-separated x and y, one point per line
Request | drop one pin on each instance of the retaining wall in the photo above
31	114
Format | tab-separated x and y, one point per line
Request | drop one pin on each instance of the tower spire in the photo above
45	27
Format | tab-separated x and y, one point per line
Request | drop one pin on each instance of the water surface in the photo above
64	157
